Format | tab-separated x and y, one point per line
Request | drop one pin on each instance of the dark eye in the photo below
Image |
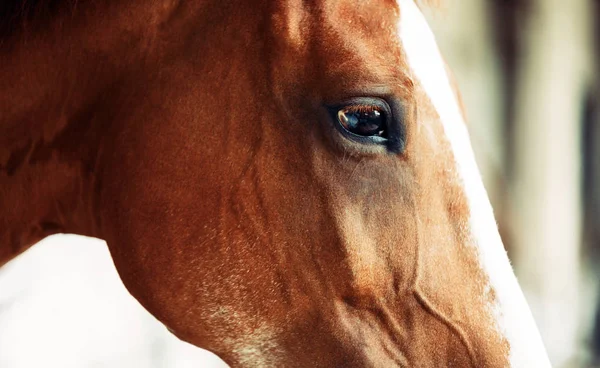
370	121
363	120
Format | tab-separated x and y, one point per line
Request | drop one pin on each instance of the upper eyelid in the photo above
363	107
365	101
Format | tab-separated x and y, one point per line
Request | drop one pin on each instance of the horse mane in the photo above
15	14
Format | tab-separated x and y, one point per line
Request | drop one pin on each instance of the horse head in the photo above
291	183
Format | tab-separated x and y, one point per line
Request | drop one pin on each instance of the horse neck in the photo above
54	83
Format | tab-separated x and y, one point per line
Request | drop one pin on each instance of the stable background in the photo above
529	73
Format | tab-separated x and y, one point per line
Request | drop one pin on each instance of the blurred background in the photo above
529	74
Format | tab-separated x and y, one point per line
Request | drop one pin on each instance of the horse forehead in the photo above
294	19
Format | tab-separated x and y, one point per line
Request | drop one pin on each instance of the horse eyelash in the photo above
363	108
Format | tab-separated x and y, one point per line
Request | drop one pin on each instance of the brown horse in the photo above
284	183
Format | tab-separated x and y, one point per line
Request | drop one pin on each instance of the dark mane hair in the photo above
15	14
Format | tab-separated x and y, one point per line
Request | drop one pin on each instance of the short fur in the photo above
193	137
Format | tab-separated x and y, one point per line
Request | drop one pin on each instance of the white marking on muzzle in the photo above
512	313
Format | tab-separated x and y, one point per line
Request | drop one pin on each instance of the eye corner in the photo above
395	144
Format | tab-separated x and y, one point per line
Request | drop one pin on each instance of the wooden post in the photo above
464	33
546	216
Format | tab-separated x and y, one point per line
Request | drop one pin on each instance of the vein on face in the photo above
510	311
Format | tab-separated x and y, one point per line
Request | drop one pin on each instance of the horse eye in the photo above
363	120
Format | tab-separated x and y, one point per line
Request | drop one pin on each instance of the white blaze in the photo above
512	312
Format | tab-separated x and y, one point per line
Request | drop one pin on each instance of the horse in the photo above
281	182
